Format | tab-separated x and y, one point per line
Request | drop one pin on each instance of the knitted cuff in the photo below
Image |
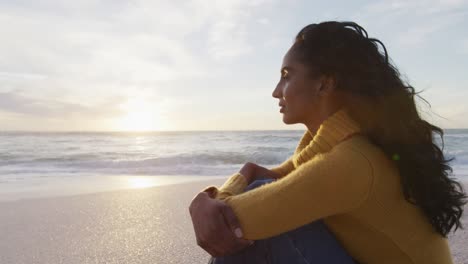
233	186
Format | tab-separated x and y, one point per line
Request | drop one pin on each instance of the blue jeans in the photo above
312	243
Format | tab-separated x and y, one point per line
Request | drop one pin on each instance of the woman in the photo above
366	184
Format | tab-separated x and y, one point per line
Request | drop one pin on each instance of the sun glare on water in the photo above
140	116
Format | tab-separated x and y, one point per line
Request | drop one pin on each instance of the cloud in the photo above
412	23
96	45
464	46
418	33
447	108
17	103
414	7
263	21
229	26
91	48
448	116
11	76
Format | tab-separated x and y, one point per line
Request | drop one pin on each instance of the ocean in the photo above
34	158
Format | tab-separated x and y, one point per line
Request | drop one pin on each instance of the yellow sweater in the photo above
339	176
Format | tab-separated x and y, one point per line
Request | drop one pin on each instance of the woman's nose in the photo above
276	93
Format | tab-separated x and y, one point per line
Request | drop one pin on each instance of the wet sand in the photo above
149	225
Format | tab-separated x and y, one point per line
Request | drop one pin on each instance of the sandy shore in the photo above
133	226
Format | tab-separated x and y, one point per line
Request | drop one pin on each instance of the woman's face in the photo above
298	93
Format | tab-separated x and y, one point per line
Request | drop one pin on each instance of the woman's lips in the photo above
282	109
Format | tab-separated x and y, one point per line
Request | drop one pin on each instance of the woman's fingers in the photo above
231	220
208	235
235	236
223	241
219	241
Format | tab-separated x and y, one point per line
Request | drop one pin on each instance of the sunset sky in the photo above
202	65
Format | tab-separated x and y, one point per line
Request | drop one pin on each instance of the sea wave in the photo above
121	163
172	153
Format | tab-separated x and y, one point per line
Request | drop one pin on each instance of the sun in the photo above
140	115
137	121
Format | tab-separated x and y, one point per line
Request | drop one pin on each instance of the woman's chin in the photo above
288	121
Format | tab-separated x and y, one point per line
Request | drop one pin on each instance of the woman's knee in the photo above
312	243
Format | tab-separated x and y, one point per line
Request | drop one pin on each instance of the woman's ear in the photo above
327	85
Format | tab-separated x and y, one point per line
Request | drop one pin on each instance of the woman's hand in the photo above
264	172
216	226
249	171
252	171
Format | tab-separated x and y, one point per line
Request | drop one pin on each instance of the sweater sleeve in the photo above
233	186
236	183
284	168
329	184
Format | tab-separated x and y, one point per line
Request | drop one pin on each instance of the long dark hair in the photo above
385	107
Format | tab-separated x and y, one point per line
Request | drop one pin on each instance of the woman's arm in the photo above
238	182
329	184
216	227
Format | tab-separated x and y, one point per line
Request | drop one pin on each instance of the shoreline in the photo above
90	184
56	187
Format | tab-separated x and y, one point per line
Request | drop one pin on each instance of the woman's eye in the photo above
284	74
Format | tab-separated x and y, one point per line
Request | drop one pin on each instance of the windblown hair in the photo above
385	106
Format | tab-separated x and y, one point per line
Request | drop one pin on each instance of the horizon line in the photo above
159	131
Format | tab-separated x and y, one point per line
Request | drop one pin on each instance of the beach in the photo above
148	225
